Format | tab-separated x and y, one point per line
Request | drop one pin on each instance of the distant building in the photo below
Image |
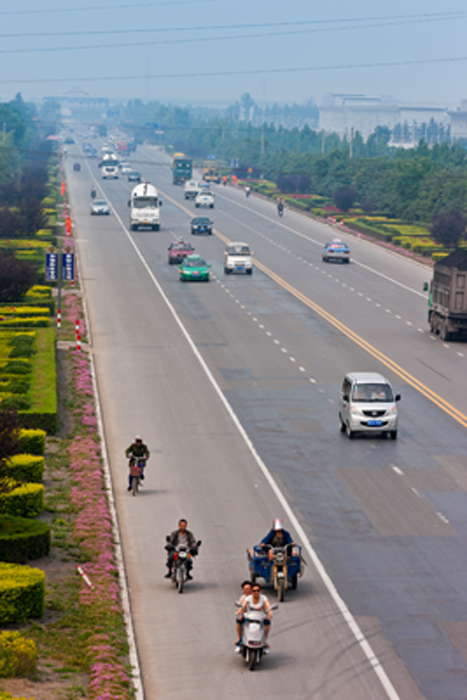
459	122
342	112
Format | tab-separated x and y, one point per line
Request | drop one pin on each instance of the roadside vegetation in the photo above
60	637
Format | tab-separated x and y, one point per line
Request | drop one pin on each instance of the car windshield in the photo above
203	221
181	246
100	203
145	202
372	392
199	262
206	194
239	250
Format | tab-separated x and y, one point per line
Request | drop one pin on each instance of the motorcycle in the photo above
93	193
253	643
136	471
277	565
181	562
280	209
247	191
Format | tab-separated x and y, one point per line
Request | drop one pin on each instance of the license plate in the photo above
195	274
375	422
239	267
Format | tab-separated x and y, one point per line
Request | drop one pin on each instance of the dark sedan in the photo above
201	224
178	251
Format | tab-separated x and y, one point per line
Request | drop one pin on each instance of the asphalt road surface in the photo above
234	384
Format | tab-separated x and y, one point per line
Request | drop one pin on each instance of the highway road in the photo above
234	384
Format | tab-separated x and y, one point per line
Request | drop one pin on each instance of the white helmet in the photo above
138	437
277	524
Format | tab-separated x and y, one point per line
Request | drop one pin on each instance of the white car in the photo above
100	207
192	189
205	198
237	258
125	168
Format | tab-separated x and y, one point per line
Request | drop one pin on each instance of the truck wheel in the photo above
444	333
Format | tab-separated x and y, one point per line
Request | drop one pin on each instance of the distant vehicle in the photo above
109	167
447	312
336	250
134	176
237	258
99	207
204	198
182	168
194	267
103	131
125	168
210	171
192	188
69	140
367	405
145	207
77	167
201	224
178	251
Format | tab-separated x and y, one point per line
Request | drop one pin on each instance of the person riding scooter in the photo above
135	450
259	603
93	192
280	208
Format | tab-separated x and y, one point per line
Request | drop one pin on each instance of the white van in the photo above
237	258
145	207
368	405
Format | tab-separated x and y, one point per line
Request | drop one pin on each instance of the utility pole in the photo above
262	141
351	143
323	142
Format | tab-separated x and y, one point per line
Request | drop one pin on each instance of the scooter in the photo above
93	193
280	209
253	643
181	560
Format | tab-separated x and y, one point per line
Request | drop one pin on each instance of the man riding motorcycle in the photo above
135	450
185	538
93	192
280	208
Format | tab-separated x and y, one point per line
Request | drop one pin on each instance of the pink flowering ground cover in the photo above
106	643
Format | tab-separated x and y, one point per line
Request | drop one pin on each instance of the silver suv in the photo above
368	405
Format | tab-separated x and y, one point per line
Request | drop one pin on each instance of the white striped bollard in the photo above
59	318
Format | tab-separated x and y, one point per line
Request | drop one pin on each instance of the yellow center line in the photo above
358	340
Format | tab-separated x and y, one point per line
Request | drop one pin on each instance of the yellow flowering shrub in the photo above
18	655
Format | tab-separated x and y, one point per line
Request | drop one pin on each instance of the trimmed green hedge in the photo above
23	500
26	322
22	539
32	442
22	593
43	411
26	467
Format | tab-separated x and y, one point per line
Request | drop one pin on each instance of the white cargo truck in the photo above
145	207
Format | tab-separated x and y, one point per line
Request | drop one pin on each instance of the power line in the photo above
93	32
164	42
249	71
57	10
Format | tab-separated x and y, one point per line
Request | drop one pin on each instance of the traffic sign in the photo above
68	266
51	267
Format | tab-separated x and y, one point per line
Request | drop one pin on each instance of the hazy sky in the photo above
255	46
